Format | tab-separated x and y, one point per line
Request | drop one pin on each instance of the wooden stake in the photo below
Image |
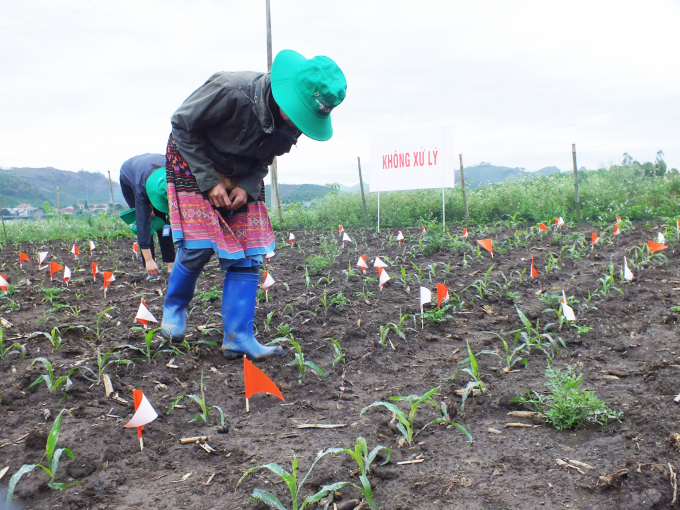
273	167
59	210
141	444
3	221
576	200
247	406
462	186
113	200
363	198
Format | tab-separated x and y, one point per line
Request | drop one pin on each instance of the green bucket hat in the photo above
157	189
307	91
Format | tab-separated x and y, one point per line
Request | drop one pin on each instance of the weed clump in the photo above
567	405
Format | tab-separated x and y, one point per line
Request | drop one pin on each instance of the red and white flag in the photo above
54	267
75	250
291	238
423	229
144	315
425	297
42	255
559	221
269	255
534	273
268	281
442	294
677	225
400	237
383	277
661	239
92	247
616	229
654	246
94	271
345	237
487	245
465	234
144	414
135	249
567	310
542	227
67	274
618	219
362	263
3	282
594	239
627	273
108	278
379	263
22	258
340	229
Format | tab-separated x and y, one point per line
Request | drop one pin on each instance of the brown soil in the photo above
629	359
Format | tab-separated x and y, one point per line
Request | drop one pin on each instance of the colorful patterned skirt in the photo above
195	223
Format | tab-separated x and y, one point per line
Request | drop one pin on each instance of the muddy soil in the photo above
630	358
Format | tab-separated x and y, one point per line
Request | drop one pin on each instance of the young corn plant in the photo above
5	351
148	351
362	456
436	316
534	339
53	455
339	357
607	283
205	409
294	487
103	363
300	360
54	337
405	422
339	300
268	321
512	356
48	378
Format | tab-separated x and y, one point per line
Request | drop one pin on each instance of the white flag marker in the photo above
92	247
268	282
144	314
627	273
67	274
291	238
269	255
41	257
400	237
662	238
567	310
345	237
362	263
145	414
425	297
384	277
379	263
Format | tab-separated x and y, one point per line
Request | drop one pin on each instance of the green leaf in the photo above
26	468
324	490
316	368
267	498
390	407
54	436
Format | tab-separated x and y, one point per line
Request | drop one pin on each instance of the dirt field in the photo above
630	359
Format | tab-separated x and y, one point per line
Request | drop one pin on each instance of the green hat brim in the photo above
284	68
157	190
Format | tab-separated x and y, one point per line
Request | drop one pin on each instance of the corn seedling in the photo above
4	351
362	456
53	455
512	356
339	358
339	300
148	341
482	285
103	363
52	383
294	487
581	330
364	294
350	272
300	360
405	423
205	409
568	405
284	329
403	278
52	295
268	321
534	339
552	263
54	337
438	315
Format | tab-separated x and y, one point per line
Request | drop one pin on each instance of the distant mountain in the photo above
354	189
487	173
36	186
298	193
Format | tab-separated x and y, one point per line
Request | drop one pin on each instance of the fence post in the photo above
113	200
578	204
3	222
363	198
59	211
462	185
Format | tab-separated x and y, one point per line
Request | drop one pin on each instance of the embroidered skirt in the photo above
195	223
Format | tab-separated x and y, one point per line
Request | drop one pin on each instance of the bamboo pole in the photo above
462	185
276	199
59	211
113	200
576	199
3	222
363	198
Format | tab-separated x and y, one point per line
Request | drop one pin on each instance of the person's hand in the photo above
218	196
238	198
152	268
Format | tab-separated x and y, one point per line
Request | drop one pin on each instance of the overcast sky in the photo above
90	83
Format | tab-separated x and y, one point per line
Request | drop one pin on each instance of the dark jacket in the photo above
226	127
133	175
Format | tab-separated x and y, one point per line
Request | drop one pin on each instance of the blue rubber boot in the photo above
238	317
181	287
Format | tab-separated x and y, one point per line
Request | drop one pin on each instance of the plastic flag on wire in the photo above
442	295
269	255
534	273
559	221
340	230
54	267
677	225
400	237
345	237
22	258
616	228
618	219
144	414
542	227
487	245
94	271
423	230
3	282
67	274
92	247
383	277
144	315
465	234
425	299
268	282
654	246
108	278
256	381
75	250
362	263
291	238
135	249
627	273
567	310
379	263
661	238
593	240
41	257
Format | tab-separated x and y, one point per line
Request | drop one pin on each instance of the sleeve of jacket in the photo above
251	183
143	214
213	102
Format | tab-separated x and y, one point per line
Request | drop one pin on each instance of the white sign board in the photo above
411	159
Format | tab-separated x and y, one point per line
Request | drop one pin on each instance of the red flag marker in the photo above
291	238
135	249
423	229
362	263
379	263
383	277
542	227
594	239
94	271
340	230
75	250
256	381
616	229
465	234
400	237
3	282
487	245
144	414
54	267
22	258
67	275
654	246
92	247
442	294
534	273
144	315
678	225
618	219
108	278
